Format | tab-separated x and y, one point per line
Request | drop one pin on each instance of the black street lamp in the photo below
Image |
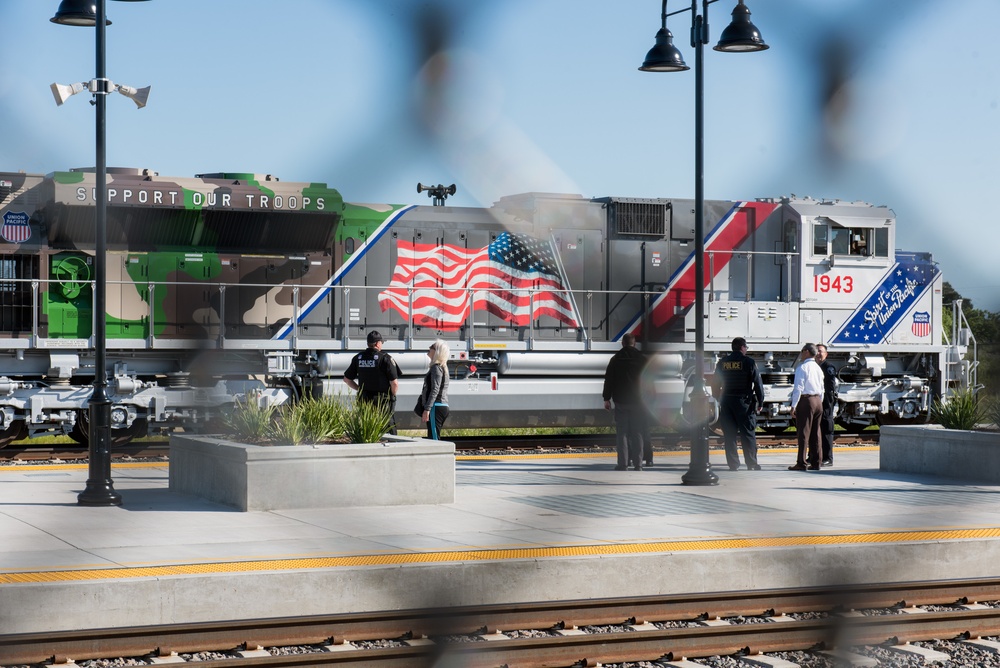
100	490
740	35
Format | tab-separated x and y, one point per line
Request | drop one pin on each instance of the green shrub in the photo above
366	422
310	420
962	411
249	420
290	426
322	418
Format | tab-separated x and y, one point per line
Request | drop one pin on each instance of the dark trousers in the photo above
388	400
439	413
738	419
808	416
647	442
628	435
826	429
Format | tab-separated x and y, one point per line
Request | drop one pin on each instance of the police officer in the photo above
374	375
737	382
829	401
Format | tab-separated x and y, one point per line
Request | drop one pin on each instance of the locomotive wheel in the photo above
17	431
78	433
81	431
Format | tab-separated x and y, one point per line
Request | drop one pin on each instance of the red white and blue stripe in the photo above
741	221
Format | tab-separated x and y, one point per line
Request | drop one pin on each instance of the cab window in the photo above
791	235
882	242
860	241
840	241
821	234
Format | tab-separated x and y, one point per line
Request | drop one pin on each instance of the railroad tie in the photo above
851	659
989	645
768	661
928	655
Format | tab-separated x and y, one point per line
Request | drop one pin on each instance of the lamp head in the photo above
740	34
137	95
664	56
62	92
77	13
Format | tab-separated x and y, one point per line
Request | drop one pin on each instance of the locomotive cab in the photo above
826	272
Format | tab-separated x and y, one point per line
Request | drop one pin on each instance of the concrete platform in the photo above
520	529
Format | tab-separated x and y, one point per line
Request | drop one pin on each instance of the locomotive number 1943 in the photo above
828	283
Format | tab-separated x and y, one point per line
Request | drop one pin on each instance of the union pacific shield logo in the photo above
921	323
15	228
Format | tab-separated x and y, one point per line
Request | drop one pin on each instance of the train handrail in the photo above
222	289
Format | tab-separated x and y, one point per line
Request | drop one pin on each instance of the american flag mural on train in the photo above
516	277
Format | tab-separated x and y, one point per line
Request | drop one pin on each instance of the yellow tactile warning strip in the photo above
27	468
491	555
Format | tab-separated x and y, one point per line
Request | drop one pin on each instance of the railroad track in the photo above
26	452
465	444
564	633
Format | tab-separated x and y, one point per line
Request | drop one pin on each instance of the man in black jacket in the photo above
738	385
829	401
621	385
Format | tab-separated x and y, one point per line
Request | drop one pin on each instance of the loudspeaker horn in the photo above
137	95
62	92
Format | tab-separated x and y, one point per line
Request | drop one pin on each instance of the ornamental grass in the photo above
963	411
307	421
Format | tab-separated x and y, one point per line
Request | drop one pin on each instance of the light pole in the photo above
100	490
740	35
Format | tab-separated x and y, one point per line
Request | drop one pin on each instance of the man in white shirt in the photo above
807	406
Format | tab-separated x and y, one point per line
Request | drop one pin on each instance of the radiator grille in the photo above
640	217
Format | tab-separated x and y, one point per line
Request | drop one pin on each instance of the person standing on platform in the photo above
807	407
621	385
434	395
829	401
738	385
374	375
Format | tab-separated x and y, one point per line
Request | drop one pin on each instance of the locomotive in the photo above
230	283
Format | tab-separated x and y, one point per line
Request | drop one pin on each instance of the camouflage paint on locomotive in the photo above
168	236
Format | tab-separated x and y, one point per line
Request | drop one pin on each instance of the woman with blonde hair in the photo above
434	396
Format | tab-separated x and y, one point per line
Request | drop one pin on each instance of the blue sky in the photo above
540	95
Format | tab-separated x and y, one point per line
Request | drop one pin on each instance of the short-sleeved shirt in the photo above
374	371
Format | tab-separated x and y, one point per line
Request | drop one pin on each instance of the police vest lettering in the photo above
732	366
369	364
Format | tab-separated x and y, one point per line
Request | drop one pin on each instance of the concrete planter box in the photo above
402	471
948	453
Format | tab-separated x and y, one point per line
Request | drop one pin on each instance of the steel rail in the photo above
31	453
336	629
463	444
